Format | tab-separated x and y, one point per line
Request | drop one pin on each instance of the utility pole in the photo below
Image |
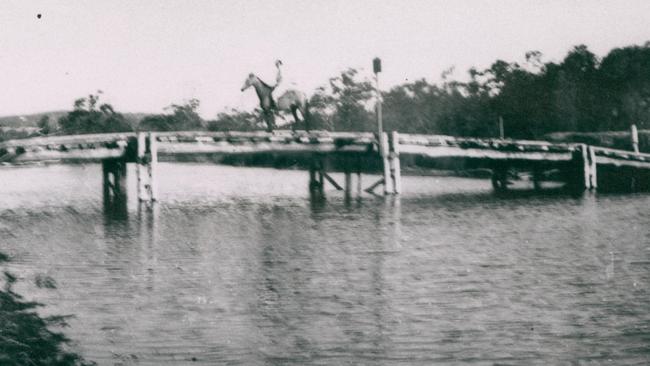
382	139
376	67
502	134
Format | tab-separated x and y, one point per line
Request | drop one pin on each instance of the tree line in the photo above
581	93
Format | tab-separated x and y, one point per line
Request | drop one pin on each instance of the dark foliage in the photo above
25	337
88	116
184	117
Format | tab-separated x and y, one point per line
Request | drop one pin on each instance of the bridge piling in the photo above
348	183
593	177
385	157
395	167
359	182
537	178
114	180
153	166
316	175
146	166
500	176
582	175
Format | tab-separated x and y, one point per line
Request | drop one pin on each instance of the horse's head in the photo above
250	81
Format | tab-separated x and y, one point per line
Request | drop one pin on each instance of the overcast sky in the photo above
146	55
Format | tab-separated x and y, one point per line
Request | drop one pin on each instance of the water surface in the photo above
239	266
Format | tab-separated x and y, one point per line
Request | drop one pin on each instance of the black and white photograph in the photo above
324	182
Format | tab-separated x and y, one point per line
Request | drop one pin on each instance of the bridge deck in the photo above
114	145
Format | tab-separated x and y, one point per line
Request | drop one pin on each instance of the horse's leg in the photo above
295	116
305	115
269	118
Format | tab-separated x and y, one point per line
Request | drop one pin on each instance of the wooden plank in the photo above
228	148
620	154
605	160
91	155
332	181
445	151
68	140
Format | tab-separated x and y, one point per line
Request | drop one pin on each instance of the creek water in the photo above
240	266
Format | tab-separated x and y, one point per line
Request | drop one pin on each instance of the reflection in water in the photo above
116	210
223	272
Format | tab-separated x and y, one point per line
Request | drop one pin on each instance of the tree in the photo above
184	117
44	124
85	118
349	100
235	120
624	78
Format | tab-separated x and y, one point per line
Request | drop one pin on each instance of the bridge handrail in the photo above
68	139
620	154
479	143
200	136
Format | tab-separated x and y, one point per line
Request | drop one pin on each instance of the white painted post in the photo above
383	143
635	138
396	170
593	177
153	166
586	166
140	167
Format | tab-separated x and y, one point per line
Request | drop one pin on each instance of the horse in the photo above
292	100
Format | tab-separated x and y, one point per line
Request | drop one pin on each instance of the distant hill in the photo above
31	120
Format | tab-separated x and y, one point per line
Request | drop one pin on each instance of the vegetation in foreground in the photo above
25	337
582	93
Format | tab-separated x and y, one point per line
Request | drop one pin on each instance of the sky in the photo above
147	54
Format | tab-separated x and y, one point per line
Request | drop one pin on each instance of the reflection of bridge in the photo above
577	164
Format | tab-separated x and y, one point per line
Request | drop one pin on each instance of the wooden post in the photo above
586	166
114	180
383	143
312	175
359	186
593	177
153	166
316	175
348	181
634	134
141	168
500	177
321	179
580	176
106	181
146	166
120	179
502	134
537	178
395	167
376	67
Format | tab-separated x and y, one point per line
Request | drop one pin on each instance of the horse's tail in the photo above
278	77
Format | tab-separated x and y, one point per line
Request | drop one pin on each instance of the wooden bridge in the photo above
578	165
